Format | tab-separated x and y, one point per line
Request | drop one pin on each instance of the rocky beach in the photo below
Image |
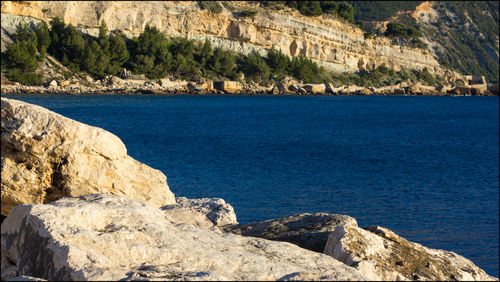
287	86
75	206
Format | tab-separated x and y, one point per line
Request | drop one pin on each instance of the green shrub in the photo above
212	6
369	35
26	78
399	29
426	76
249	13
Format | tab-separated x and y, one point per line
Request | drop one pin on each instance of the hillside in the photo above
461	35
332	43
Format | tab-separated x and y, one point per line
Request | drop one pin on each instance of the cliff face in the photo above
333	44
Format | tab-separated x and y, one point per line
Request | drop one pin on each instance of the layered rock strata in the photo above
336	45
46	156
111	237
381	254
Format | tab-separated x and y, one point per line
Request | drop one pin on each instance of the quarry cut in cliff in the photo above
331	43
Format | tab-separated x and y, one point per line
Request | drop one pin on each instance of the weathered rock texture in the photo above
309	231
333	44
216	210
111	237
381	254
46	156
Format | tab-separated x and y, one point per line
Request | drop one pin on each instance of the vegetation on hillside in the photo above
465	35
212	6
156	56
380	10
338	9
22	56
469	37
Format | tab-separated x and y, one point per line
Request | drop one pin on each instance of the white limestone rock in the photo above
111	237
380	254
215	209
46	156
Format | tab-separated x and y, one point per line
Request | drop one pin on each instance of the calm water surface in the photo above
425	167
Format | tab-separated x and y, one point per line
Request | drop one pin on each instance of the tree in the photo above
278	61
118	53
255	67
103	37
152	56
205	52
304	69
21	55
43	39
215	61
228	65
310	8
346	11
95	60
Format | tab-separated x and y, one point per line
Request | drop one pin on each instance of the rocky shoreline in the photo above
77	207
287	86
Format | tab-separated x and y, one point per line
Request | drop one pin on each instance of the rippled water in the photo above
424	167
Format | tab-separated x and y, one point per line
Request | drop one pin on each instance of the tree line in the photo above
151	54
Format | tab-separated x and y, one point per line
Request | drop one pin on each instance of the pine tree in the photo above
255	67
206	52
118	54
103	38
43	38
278	61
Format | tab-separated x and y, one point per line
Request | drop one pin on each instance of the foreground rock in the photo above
381	254
111	237
308	231
216	210
46	156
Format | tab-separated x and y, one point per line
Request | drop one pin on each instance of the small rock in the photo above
64	83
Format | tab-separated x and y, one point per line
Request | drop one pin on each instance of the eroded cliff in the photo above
337	46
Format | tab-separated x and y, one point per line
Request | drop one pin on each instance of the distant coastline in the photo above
114	85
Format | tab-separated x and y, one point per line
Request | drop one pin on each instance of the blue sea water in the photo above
425	167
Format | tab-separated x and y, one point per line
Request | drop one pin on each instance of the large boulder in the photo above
381	254
315	88
216	210
308	231
228	86
46	156
111	237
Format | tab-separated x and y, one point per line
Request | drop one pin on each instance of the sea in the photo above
425	167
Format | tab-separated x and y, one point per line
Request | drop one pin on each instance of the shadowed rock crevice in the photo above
308	231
